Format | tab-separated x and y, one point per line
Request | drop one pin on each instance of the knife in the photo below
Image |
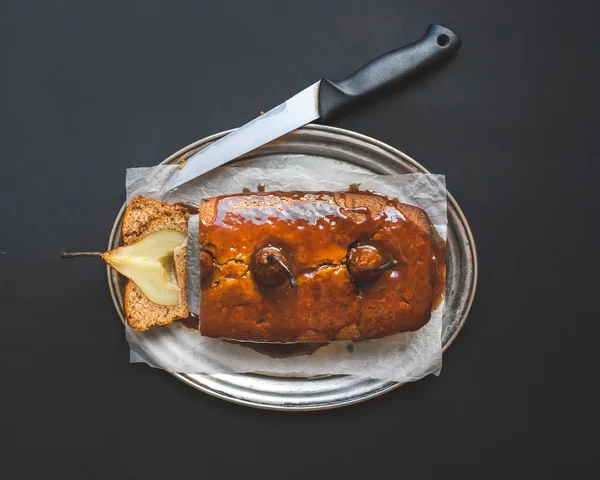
321	100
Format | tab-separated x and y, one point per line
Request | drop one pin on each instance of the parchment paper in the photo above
402	358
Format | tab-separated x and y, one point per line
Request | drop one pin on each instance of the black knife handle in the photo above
393	67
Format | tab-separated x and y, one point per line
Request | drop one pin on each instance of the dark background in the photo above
90	88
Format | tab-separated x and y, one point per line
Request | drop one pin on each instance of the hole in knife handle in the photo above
442	40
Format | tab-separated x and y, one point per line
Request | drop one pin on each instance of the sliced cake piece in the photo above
142	217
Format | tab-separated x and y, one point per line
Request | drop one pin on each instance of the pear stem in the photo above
288	272
382	268
80	254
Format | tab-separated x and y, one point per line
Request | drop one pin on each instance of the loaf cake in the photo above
286	267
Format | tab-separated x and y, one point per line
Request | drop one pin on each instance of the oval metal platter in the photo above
328	145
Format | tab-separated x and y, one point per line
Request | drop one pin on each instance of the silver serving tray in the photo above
328	145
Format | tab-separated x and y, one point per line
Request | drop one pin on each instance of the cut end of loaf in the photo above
144	216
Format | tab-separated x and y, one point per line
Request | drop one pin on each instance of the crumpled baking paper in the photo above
401	358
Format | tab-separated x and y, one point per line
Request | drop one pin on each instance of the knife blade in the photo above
321	100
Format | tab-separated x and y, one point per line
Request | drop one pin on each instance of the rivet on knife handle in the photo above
391	68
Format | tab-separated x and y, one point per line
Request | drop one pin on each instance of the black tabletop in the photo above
90	88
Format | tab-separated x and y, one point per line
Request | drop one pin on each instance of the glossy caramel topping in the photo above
317	227
363	265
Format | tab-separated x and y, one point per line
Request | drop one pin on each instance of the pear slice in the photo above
149	264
